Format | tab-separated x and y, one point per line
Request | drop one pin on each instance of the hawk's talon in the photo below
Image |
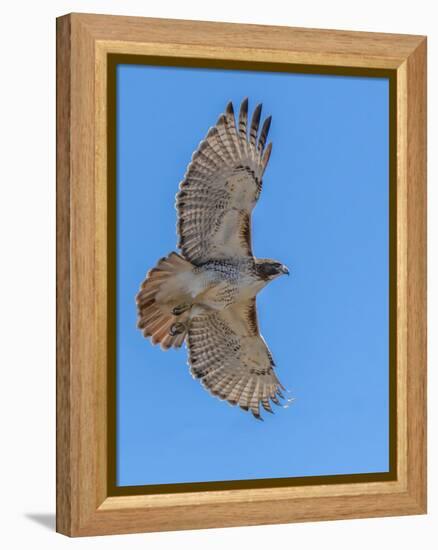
182	308
177	328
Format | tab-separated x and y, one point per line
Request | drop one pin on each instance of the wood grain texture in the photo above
63	402
416	271
76	367
83	504
391	49
402	276
270	511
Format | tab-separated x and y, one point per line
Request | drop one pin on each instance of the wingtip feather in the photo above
255	121
229	109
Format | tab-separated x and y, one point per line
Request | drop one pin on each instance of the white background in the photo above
27	289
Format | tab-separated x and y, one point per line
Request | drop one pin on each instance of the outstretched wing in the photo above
220	188
231	359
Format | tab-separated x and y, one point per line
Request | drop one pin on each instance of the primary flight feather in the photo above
206	296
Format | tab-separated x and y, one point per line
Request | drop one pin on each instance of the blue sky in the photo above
324	213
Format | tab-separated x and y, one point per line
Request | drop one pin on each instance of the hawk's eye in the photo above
268	269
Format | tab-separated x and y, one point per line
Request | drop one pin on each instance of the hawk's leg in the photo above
177	328
182	308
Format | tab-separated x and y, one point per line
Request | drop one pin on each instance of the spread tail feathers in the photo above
163	290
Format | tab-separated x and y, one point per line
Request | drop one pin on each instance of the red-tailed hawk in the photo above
206	296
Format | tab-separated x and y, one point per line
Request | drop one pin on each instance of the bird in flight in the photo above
206	295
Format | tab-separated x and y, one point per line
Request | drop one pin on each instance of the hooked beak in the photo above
285	270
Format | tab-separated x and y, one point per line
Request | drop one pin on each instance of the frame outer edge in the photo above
392	48
417	274
63	276
77	513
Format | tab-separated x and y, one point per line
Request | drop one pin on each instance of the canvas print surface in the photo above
258	267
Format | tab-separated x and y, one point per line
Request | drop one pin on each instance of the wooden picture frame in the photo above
87	45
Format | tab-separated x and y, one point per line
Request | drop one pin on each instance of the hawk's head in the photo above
268	269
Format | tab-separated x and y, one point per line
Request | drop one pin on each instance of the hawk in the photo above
206	295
